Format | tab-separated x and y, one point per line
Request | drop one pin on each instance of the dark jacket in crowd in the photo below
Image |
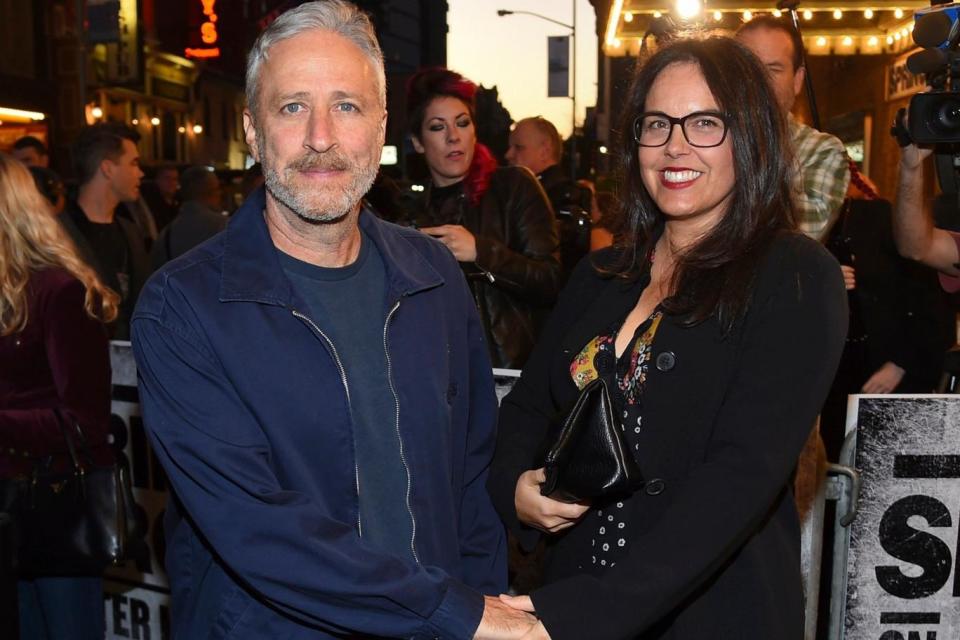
724	418
195	223
516	276
249	414
138	264
571	203
898	314
163	212
59	361
905	315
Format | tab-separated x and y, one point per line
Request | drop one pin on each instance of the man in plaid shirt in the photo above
822	173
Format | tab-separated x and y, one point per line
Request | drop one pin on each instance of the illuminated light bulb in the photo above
821	41
868	14
847	41
155	121
198	129
688	9
657	14
872	41
807	14
717	16
602	149
898	13
182	129
837	14
747	16
96	112
134	122
777	13
897	36
628	17
889	39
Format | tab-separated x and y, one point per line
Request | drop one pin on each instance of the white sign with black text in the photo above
904	559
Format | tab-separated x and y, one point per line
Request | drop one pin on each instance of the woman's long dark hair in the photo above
437	82
715	275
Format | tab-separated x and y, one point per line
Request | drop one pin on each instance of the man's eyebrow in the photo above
296	95
346	95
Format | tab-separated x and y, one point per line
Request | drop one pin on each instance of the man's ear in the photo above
798	77
250	134
106	168
416	144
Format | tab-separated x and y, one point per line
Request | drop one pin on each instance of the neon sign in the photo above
208	33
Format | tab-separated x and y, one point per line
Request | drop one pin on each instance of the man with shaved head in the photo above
536	144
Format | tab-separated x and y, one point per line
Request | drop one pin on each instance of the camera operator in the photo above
913	229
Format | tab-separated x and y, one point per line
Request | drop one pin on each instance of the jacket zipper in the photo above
403	459
346	389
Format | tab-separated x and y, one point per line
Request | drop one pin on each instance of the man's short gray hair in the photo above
337	16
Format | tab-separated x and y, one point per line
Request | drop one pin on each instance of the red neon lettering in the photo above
202	53
208	32
208	6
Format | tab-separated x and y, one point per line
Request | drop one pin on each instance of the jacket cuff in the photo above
486	253
458	615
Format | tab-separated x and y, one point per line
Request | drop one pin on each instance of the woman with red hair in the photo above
496	221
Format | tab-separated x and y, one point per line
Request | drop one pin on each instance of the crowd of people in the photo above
317	381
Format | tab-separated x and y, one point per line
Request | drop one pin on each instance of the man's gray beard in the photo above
333	208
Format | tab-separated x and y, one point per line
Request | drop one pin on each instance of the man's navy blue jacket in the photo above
248	411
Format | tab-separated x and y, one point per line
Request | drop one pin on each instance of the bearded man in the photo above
315	383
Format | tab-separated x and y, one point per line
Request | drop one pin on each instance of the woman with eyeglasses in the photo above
718	329
496	221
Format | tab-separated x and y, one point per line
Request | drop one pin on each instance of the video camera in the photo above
934	116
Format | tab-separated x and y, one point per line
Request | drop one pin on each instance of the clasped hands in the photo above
512	616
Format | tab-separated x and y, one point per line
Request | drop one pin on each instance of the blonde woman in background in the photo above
53	357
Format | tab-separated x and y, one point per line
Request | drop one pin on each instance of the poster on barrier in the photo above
903	569
136	595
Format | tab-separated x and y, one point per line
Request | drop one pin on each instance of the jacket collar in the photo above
252	271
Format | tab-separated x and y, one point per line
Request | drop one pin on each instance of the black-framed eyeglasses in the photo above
700	128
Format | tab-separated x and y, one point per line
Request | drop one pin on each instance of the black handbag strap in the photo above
71	449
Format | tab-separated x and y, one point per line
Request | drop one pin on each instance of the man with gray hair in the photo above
314	382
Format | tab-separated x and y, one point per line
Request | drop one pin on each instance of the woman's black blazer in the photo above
716	553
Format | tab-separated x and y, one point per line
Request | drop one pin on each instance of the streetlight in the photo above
573	90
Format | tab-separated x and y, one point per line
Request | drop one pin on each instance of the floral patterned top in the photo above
626	377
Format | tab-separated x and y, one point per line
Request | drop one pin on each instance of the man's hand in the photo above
912	156
502	622
462	243
523	603
885	379
849	277
540	511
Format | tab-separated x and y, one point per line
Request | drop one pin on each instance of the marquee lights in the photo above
625	26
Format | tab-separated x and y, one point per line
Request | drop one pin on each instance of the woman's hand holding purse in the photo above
542	512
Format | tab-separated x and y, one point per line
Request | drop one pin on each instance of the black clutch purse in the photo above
589	458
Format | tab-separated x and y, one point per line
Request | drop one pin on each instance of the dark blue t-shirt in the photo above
349	305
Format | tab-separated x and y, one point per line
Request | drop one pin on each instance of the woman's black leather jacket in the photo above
517	273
